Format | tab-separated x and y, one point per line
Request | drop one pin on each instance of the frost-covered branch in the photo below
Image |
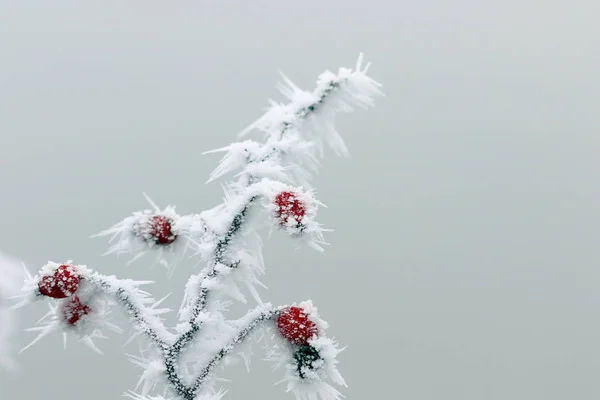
297	131
270	188
134	303
256	317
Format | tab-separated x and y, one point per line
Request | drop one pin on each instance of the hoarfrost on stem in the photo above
270	186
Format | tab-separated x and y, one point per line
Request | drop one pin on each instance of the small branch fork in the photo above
171	346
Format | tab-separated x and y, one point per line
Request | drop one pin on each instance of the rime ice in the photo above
270	188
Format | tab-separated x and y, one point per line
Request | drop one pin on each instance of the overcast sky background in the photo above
465	261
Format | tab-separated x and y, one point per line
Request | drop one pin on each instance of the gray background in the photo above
465	259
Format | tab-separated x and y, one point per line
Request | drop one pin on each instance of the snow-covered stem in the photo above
171	354
199	304
273	178
126	294
261	315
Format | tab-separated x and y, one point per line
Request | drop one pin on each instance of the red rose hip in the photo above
160	230
74	310
289	206
63	283
294	324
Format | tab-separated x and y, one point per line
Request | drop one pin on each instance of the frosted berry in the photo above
294	325
63	283
74	310
289	206
305	358
160	230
